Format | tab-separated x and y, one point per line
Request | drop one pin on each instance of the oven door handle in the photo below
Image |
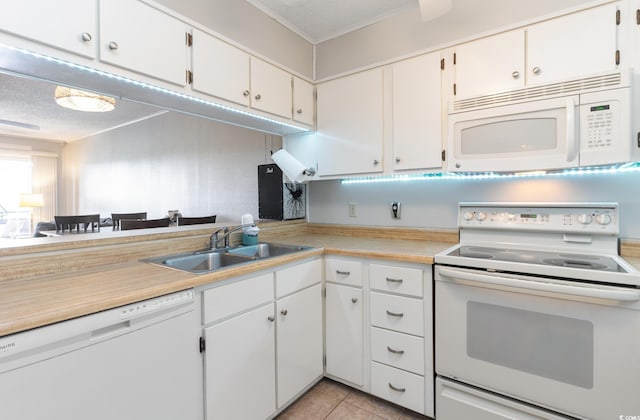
616	294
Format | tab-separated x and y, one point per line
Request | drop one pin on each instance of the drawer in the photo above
224	301
343	271
399	350
397	313
403	280
400	387
298	277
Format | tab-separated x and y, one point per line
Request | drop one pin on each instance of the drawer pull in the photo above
394	351
343	273
354	300
397	314
284	312
397	389
271	318
390	280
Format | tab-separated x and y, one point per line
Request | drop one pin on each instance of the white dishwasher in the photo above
139	361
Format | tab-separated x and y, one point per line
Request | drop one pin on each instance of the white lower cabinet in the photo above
239	366
261	351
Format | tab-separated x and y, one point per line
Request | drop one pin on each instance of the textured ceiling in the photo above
27	109
319	20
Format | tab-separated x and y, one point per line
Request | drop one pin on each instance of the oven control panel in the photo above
595	218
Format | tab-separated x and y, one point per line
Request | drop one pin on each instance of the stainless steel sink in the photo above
265	250
206	261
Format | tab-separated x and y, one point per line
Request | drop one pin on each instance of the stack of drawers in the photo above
398	335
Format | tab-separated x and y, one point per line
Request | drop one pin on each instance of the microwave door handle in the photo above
572	139
497	281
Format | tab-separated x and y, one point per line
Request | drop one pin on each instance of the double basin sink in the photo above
207	261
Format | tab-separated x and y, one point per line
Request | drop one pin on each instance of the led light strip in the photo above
434	176
154	88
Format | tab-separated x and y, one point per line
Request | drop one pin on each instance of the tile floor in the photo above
334	401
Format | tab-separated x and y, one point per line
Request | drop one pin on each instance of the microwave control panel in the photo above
599	125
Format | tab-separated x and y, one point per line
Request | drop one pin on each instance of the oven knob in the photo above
467	215
603	219
480	216
585	218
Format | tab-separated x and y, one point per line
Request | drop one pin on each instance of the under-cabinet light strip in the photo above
599	170
155	88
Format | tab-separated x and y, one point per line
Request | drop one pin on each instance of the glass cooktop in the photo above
565	260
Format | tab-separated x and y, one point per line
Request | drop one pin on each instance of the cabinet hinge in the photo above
638	17
617	57
444	155
442	64
188	39
189	77
455	89
202	344
454	59
324	292
618	17
324	361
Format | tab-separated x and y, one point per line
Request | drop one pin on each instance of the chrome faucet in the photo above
215	238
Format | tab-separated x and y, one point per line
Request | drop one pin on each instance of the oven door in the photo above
521	137
568	347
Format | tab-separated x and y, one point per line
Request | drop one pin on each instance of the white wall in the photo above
245	24
433	204
173	161
406	33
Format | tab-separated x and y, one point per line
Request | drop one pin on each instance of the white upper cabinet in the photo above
220	69
417	116
491	64
563	48
350	124
69	25
578	44
143	39
270	88
303	101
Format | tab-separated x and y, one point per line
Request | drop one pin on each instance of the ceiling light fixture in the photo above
80	100
432	9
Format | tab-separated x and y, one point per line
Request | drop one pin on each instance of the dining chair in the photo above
79	223
183	221
126	224
116	217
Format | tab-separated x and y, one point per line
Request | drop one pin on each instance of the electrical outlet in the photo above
352	209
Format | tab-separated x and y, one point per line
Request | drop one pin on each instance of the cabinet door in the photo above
491	64
417	113
270	88
350	124
303	101
69	25
240	367
344	333
126	41
299	338
219	69
578	44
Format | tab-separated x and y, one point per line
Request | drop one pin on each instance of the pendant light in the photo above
432	9
80	100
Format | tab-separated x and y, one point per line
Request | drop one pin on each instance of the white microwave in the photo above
584	122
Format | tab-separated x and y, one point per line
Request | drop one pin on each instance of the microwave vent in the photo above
575	86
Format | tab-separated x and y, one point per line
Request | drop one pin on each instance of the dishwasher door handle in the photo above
110	330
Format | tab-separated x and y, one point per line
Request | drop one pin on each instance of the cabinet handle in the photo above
271	318
397	314
397	389
343	273
245	93
390	280
397	160
354	300
394	351
113	45
86	36
375	162
299	111
536	70
284	312
515	74
258	96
